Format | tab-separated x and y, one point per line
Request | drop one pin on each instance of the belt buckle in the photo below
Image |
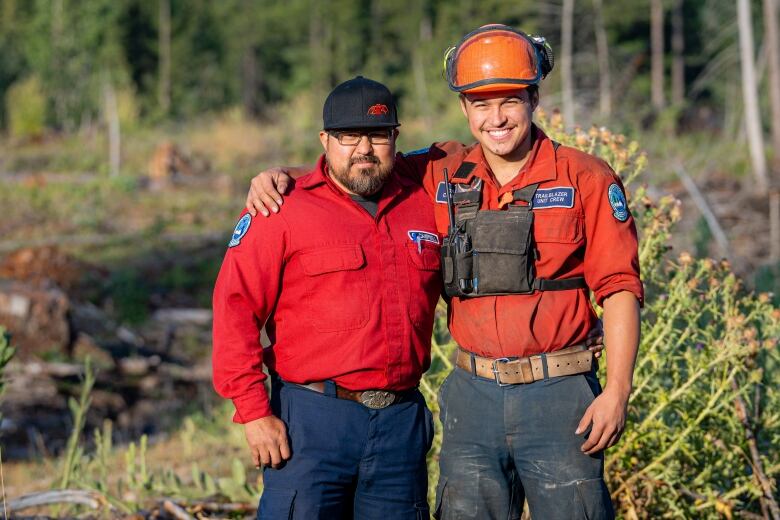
377	399
496	373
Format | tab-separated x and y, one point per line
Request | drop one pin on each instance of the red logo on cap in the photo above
377	110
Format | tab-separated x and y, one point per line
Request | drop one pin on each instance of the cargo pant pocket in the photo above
276	504
422	510
593	500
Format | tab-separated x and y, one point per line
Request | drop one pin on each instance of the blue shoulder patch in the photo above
241	228
558	197
421	151
618	202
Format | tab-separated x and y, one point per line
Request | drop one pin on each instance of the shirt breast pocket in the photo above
424	262
336	288
560	228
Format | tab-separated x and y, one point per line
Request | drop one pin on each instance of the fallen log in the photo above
176	511
184	316
90	499
217	507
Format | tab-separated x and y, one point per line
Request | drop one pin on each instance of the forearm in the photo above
621	338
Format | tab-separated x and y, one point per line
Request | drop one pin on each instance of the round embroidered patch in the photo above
618	202
241	228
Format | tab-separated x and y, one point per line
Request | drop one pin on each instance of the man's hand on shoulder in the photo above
268	186
265	191
267	439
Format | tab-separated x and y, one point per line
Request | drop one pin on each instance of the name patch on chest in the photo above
559	197
441	192
423	236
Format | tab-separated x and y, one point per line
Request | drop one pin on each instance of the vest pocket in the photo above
502	243
337	288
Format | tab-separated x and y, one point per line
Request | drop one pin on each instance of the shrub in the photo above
26	108
6	353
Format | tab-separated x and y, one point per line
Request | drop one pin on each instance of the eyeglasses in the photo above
352	138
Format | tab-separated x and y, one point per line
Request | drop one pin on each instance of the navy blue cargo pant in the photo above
348	461
504	445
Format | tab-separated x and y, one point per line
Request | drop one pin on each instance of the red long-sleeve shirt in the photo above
581	228
343	295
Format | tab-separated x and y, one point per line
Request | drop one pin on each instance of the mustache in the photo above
364	158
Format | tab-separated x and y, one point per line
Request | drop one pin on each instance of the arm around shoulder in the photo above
267	187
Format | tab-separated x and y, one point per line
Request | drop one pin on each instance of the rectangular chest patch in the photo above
559	197
441	192
422	236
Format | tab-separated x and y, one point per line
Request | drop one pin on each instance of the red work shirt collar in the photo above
392	188
539	167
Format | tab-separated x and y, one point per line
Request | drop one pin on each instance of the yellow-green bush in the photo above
6	353
25	104
127	107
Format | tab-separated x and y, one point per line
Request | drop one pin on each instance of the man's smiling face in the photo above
500	121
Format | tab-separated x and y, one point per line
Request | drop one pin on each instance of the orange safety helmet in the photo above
497	57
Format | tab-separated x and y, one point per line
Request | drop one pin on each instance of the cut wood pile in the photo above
147	375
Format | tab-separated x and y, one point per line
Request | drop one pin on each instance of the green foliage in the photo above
702	236
131	296
258	53
78	409
6	353
767	278
144	482
26	108
127	108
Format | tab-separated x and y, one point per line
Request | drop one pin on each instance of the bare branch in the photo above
90	499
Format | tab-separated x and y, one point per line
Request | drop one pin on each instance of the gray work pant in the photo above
504	445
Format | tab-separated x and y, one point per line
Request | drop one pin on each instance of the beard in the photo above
366	181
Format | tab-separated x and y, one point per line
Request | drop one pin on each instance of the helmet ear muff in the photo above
449	58
545	53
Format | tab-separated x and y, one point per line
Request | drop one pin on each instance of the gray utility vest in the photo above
492	252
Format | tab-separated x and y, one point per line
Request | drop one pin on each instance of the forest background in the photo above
131	128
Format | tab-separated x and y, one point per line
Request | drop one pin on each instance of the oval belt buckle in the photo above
377	399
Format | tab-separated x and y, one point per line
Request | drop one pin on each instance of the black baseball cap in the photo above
359	103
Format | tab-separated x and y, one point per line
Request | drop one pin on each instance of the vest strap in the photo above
525	194
466	212
464	170
467	197
577	282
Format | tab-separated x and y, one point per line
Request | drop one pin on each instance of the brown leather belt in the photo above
374	399
516	371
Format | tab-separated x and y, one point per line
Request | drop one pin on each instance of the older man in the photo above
345	283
